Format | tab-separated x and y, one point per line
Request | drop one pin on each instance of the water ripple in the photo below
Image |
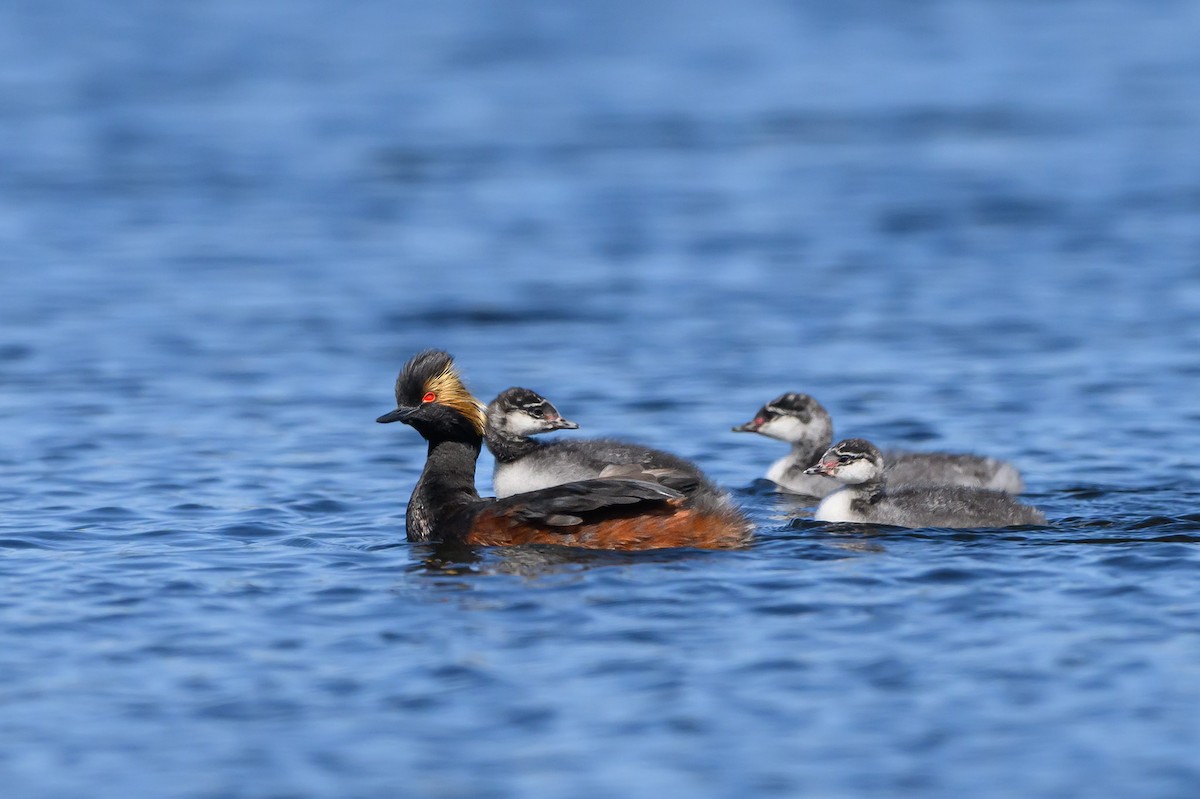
228	246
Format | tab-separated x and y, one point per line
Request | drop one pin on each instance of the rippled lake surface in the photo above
961	225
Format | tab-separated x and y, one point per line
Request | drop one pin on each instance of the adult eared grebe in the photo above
805	424
598	514
866	498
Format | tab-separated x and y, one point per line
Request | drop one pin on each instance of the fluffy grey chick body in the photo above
865	496
524	464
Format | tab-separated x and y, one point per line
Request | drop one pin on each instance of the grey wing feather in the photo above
677	479
566	505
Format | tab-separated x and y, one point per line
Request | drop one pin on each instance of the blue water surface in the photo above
967	224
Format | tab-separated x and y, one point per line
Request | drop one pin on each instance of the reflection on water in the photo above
536	560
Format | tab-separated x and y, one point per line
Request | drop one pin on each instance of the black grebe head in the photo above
521	412
431	397
852	461
790	417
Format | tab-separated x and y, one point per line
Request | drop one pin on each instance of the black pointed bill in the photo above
398	415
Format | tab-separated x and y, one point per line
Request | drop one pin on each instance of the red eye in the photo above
429	397
760	421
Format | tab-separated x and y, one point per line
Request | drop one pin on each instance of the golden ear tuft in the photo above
450	391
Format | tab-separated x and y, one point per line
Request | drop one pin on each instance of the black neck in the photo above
447	485
509	448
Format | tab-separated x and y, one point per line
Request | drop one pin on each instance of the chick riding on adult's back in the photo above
525	464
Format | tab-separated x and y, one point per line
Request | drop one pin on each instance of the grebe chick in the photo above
524	464
865	497
598	514
805	424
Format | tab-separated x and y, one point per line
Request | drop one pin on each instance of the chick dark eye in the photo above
536	413
844	459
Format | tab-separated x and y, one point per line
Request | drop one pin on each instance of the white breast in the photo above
533	472
810	485
522	476
836	508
